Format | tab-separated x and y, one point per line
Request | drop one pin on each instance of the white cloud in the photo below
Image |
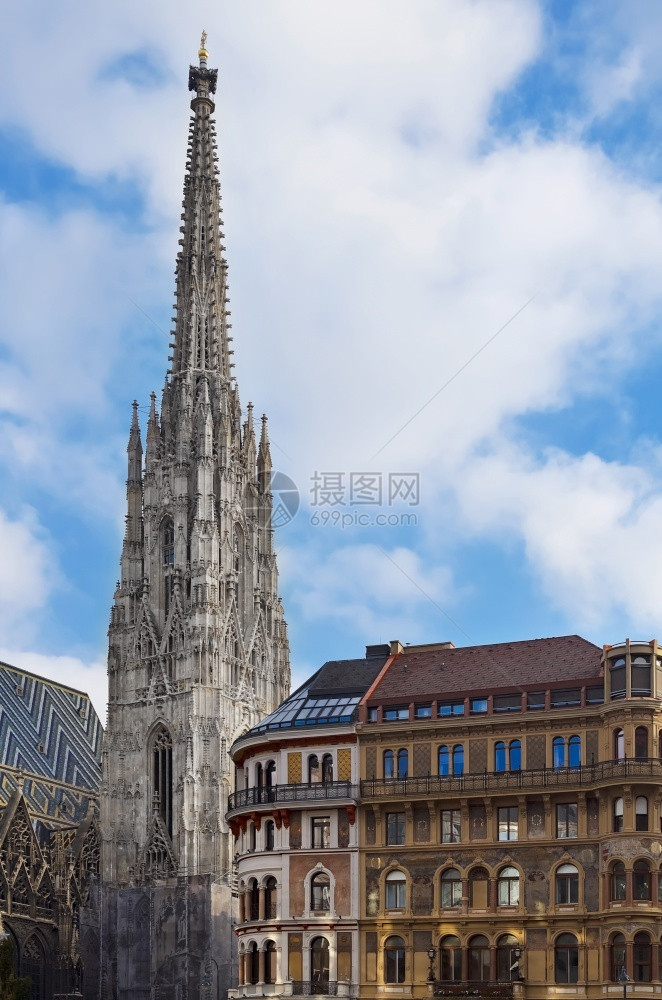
26	573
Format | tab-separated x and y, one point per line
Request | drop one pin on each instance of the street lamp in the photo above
431	954
625	979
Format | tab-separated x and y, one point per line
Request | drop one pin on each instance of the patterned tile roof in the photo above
506	666
50	736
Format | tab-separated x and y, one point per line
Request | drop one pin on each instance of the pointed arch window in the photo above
33	965
162	775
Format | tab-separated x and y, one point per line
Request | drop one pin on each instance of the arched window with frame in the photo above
515	755
270	775
641	813
617	956
499	756
269	835
617	815
253	964
640	676
567	884
566	959
641	958
270	898
574	751
252	837
254	899
617	879
320	893
641	880
617	677
396	890
458	759
450	959
162	774
619	744
403	763
508	953
558	752
479	959
641	742
319	962
313	769
389	764
33	965
327	769
394	959
451	889
508	887
270	962
443	757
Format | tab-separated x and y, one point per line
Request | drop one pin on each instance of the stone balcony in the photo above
286	795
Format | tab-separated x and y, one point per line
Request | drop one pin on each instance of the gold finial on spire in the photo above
202	51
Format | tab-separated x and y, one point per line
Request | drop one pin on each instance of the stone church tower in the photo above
198	648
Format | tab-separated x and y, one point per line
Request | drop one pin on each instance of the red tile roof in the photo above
505	666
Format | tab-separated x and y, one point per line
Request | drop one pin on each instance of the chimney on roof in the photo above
396	647
375	652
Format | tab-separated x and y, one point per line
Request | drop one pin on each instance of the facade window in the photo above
535	700
253	963
566	959
566	820
450	959
458	759
270	887
372	715
641	958
641	813
327	768
479	959
574	751
500	756
508	887
619	744
508	953
168	543
403	763
396	891
640	679
617	956
270	774
641	880
320	832
450	826
319	963
478	883
446	708
394	960
508	822
595	694
269	835
320	893
396	714
395	829
617	882
617	677
162	775
254	900
389	764
567	884
451	889
565	697
259	776
444	761
507	702
515	755
252	837
478	706
641	742
423	711
617	815
558	752
313	769
270	962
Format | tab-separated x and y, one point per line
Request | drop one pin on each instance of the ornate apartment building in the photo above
198	650
508	828
293	816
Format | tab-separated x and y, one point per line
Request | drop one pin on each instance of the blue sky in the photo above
403	180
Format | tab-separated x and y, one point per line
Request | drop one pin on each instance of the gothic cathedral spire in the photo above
198	648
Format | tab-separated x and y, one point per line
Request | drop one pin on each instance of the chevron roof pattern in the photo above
51	736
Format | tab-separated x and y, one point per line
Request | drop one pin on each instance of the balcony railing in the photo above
302	988
497	991
292	793
546	777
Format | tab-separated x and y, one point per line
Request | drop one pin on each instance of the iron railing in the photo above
462	988
320	790
546	777
303	988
